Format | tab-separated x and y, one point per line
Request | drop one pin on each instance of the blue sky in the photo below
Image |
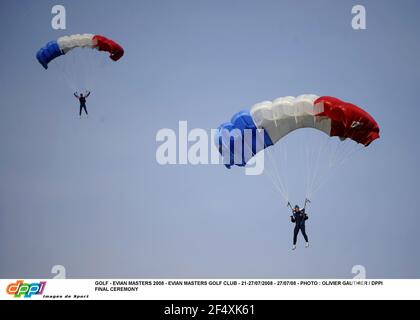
88	194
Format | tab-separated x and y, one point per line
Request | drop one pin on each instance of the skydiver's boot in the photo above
307	245
294	247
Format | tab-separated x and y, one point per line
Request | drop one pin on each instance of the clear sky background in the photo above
89	195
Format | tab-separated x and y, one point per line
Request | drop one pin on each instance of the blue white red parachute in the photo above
344	129
73	59
62	45
278	118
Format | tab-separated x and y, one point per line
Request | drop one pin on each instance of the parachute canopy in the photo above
286	114
54	49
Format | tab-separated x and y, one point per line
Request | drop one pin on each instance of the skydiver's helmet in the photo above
296	208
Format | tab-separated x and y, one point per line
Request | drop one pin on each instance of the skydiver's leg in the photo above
302	229
80	111
295	234
84	107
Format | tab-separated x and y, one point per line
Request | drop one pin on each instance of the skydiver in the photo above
82	100
299	217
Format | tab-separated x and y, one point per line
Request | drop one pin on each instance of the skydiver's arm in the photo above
75	94
88	94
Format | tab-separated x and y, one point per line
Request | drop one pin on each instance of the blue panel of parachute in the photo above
49	52
240	121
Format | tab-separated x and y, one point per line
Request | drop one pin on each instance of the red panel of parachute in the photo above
349	121
105	44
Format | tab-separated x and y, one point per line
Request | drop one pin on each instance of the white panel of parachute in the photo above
67	43
286	114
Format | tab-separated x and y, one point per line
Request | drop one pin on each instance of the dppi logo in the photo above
27	290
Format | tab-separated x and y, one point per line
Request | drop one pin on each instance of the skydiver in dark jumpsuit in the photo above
82	100
299	217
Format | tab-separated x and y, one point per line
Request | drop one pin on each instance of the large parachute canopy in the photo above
54	49
278	118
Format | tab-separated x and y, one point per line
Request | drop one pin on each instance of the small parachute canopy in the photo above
62	45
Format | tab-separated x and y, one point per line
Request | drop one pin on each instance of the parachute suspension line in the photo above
275	178
323	176
322	182
315	168
305	159
280	178
322	156
281	192
349	150
69	65
95	67
318	167
81	68
329	169
351	153
86	70
282	172
270	177
65	72
308	144
336	147
313	152
305	156
342	151
341	147
286	172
